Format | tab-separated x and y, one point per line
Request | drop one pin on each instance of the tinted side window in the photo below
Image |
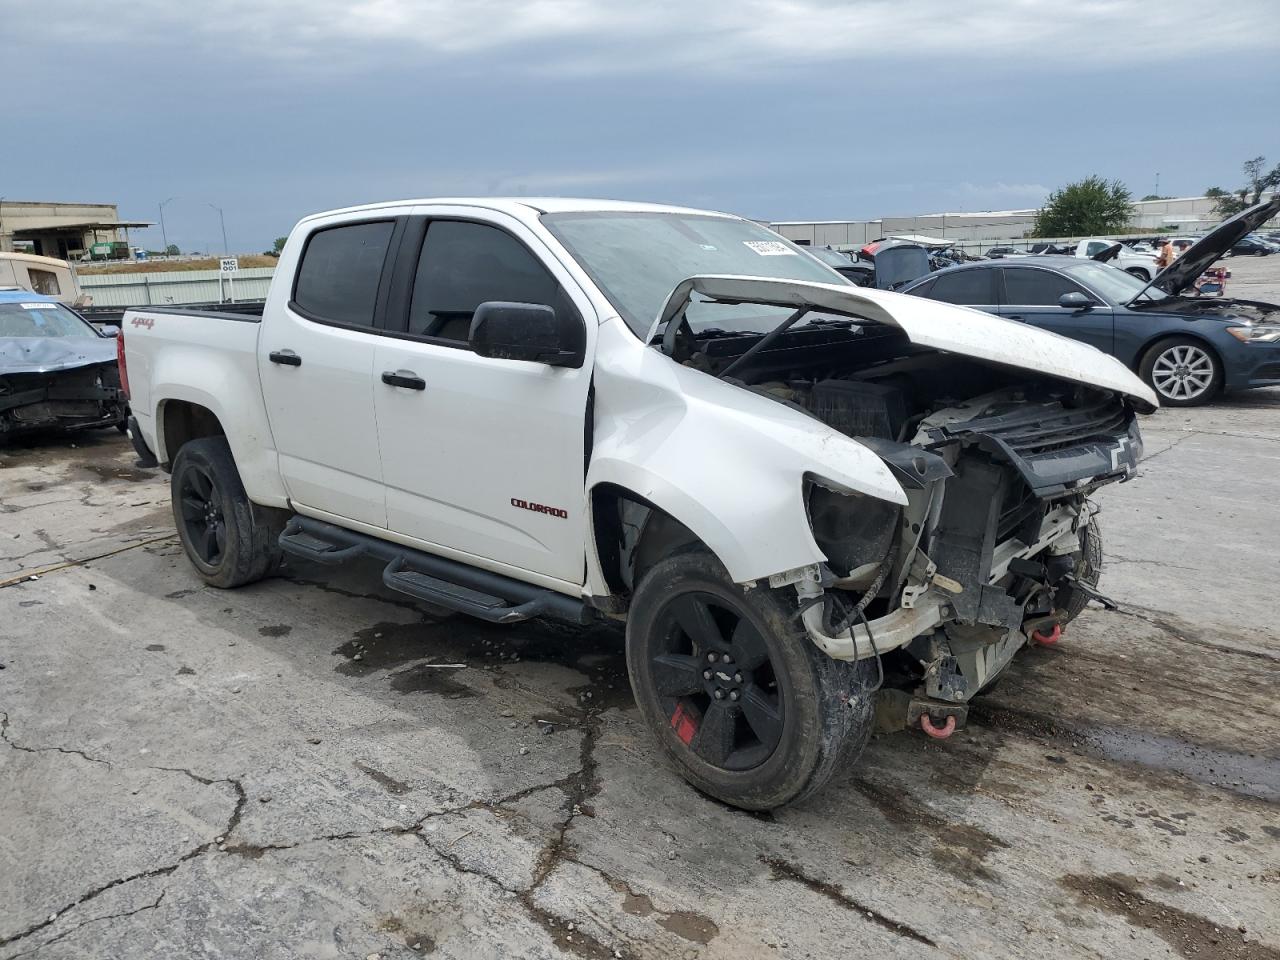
964	286
340	271
466	264
44	281
1036	288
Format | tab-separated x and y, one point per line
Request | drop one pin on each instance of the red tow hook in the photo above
1048	639
938	733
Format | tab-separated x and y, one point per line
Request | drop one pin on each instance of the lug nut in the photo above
728	659
712	658
706	674
734	695
737	677
719	694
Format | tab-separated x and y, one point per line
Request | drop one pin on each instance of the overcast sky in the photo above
775	109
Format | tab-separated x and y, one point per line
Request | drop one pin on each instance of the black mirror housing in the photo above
528	331
1075	301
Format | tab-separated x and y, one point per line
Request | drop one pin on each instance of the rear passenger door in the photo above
483	459
970	288
1031	294
315	361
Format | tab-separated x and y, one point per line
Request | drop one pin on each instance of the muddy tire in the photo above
1074	601
740	700
230	540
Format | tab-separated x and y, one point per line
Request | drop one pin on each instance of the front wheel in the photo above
1183	371
1140	274
229	539
742	702
1089	570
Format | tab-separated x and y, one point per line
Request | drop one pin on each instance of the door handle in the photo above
286	357
1014	316
403	378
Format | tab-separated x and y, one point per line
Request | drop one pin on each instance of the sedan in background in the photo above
1251	247
1187	349
57	372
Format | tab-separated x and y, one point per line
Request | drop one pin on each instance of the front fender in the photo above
727	463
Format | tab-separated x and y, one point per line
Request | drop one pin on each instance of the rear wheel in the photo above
1139	273
229	539
1183	371
741	701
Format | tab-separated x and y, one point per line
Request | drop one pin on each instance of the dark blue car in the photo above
1189	349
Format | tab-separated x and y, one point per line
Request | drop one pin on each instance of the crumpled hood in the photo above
50	354
929	323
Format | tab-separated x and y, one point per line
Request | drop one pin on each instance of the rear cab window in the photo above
340	272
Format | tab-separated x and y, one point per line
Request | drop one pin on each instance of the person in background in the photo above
1166	255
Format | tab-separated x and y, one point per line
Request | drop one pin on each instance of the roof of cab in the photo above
24	296
523	207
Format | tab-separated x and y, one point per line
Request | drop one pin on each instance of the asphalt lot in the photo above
297	768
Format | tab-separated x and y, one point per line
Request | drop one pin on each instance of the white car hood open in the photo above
928	323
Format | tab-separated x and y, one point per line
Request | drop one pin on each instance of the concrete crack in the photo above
43	571
782	870
113	916
4	735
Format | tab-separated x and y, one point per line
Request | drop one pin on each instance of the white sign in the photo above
770	248
229	265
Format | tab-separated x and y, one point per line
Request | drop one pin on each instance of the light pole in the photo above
164	237
222	220
1	223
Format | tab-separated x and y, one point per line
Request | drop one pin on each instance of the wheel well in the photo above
1143	350
183	421
1138	272
631	535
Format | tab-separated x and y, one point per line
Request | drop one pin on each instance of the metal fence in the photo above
159	289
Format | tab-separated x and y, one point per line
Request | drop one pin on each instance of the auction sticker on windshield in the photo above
770	248
39	306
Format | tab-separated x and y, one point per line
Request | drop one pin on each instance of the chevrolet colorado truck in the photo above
802	496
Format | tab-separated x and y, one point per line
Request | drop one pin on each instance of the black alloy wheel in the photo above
200	506
717	683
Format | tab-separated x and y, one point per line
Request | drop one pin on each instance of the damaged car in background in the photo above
803	497
57	371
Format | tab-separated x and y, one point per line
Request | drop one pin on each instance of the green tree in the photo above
279	244
1091	206
1155	196
172	250
1258	180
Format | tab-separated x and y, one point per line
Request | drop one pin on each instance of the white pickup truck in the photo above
795	491
1141	265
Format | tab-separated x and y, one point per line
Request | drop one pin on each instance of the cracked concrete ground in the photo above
301	768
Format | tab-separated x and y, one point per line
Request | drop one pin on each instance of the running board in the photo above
435	580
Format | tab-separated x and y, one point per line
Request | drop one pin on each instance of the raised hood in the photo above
928	323
1201	255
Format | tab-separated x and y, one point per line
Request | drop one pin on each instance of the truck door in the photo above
1031	295
316	365
482	458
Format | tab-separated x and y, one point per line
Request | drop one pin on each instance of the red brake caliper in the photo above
683	723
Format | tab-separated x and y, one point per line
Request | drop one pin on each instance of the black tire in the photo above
1190	390
798	715
1071	600
229	539
1140	274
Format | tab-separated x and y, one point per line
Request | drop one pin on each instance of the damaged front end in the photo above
997	544
69	399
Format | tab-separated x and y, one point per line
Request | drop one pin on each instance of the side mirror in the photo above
111	330
528	331
1075	301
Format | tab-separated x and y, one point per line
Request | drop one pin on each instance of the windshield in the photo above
1114	284
637	259
36	319
832	258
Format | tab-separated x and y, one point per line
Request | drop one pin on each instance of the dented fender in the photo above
727	463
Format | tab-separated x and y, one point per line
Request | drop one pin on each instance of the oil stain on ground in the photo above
390	784
685	924
1190	935
596	651
958	848
276	630
115	471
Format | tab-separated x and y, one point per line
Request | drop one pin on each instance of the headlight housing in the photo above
1256	333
